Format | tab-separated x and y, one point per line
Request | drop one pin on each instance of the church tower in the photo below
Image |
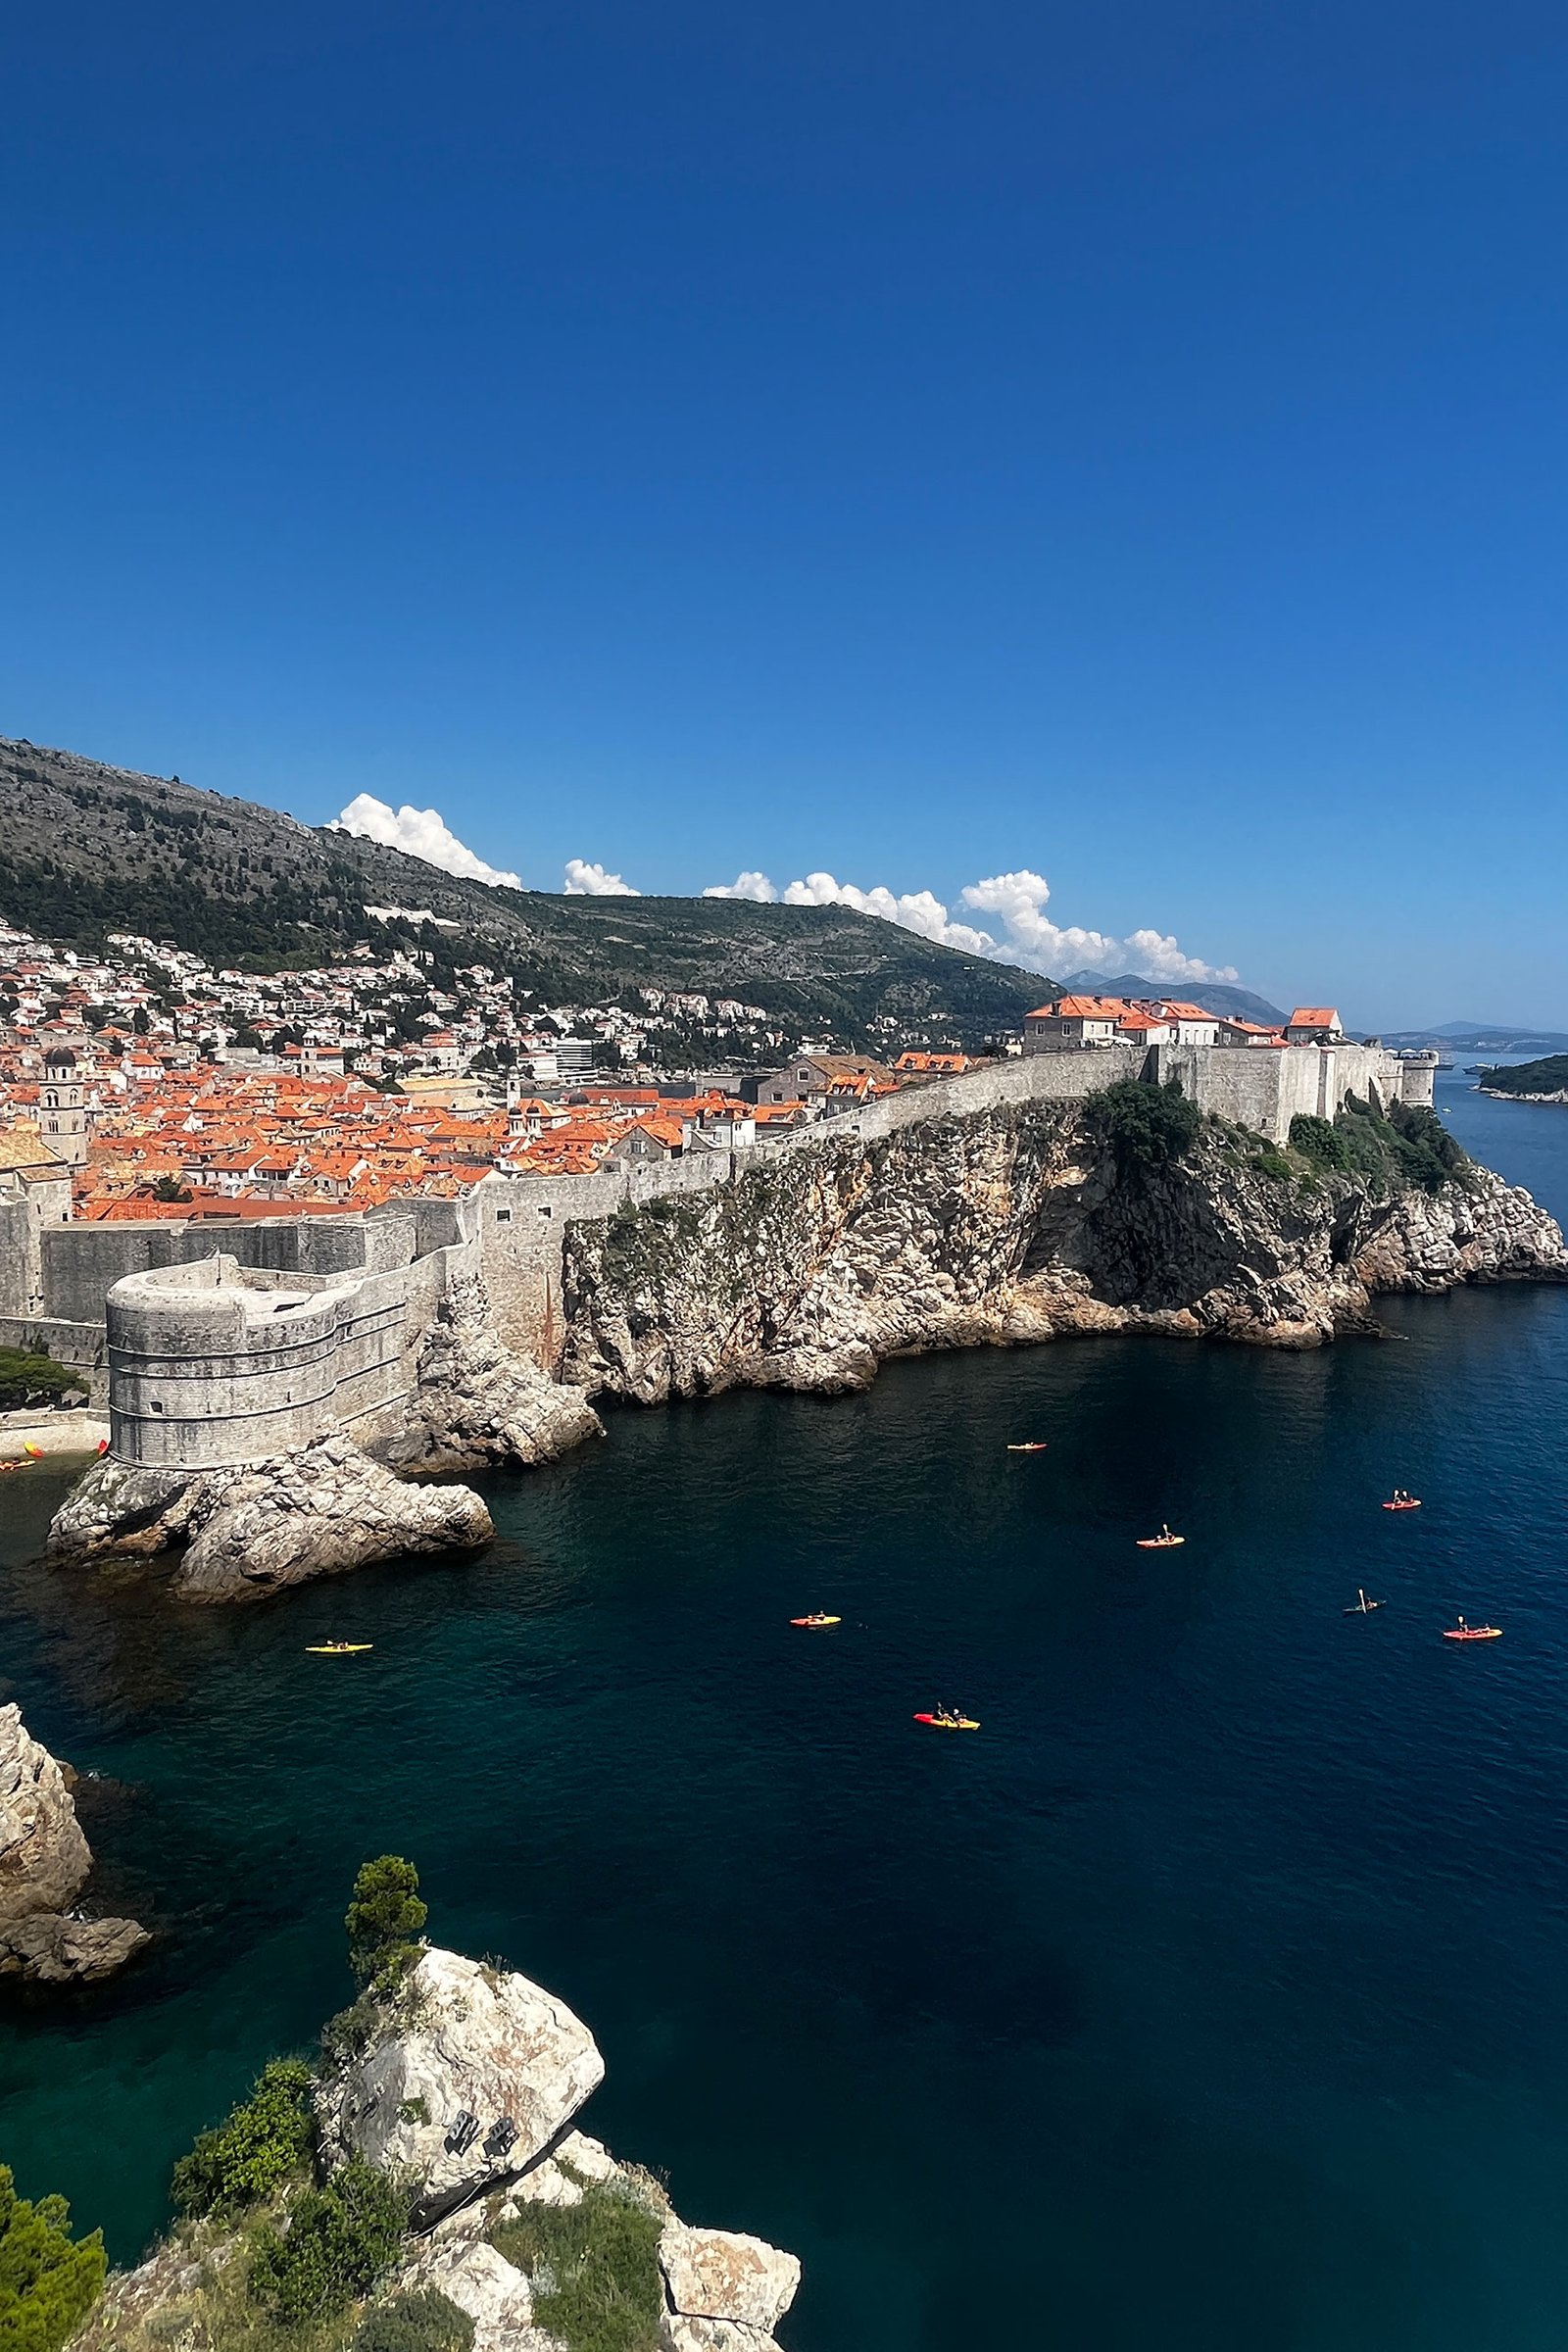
64	1111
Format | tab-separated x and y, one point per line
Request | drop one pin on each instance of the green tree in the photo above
49	2281
1145	1127
170	1188
249	2156
384	1920
28	1379
341	2240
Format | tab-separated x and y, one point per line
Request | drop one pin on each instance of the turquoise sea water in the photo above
1215	1994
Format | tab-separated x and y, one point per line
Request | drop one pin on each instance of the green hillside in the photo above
1548	1076
87	849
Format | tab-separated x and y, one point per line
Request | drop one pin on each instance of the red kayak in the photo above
1409	1503
949	1723
1472	1632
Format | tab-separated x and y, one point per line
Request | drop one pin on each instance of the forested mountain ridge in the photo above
86	849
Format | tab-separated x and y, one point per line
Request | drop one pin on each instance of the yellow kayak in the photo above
949	1723
336	1650
816	1618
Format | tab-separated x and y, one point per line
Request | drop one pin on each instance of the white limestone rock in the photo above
546	2185
679	2332
493	2292
44	1864
479	1404
44	1857
274	1523
723	2275
589	2158
461	2038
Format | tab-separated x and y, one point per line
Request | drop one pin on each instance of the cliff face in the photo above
44	1863
1008	1226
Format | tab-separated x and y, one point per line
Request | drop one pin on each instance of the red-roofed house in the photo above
1072	1021
1313	1025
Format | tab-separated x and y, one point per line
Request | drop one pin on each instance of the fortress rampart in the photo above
228	1344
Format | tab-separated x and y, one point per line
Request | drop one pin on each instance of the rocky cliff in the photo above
1006	1226
274	1523
462	2088
44	1864
478	1405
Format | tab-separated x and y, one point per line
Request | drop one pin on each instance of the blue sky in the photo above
1117	445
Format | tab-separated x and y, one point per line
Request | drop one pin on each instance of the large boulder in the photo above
461	2039
726	2293
44	1857
44	1864
278	1522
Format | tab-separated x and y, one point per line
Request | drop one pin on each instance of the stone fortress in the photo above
219	1344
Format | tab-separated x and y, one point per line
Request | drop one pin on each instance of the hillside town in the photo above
169	1089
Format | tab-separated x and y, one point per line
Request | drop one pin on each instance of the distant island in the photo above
1542	1081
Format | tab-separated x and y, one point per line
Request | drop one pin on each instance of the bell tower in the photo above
63	1112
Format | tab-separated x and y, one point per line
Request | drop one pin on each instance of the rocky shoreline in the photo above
1009	1228
45	1862
435	2078
1005	1227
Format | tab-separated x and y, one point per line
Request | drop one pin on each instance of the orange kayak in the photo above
1473	1633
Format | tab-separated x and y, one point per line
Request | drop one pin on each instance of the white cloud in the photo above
745	886
586	880
1022	931
422	833
918	910
1032	939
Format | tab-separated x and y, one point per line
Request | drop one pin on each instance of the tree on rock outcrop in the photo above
49	2281
1145	1127
386	1920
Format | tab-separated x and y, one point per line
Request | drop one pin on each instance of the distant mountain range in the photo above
1484	1036
87	849
1214	995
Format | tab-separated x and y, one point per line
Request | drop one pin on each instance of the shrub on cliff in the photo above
250	2155
1144	1127
385	1919
422	2321
1407	1148
341	2240
602	2255
49	2281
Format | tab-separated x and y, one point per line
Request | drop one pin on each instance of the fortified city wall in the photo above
231	1342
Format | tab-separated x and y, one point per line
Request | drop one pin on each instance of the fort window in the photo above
503	1216
547	1210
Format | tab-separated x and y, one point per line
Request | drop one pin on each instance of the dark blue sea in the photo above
1213	1995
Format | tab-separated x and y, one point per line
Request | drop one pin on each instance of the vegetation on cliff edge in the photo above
49	2281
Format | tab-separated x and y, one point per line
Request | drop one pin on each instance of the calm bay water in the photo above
1215	1994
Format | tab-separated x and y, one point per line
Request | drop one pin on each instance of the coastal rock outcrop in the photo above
1006	1226
478	1404
44	1864
726	2293
278	1522
462	2039
516	2235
